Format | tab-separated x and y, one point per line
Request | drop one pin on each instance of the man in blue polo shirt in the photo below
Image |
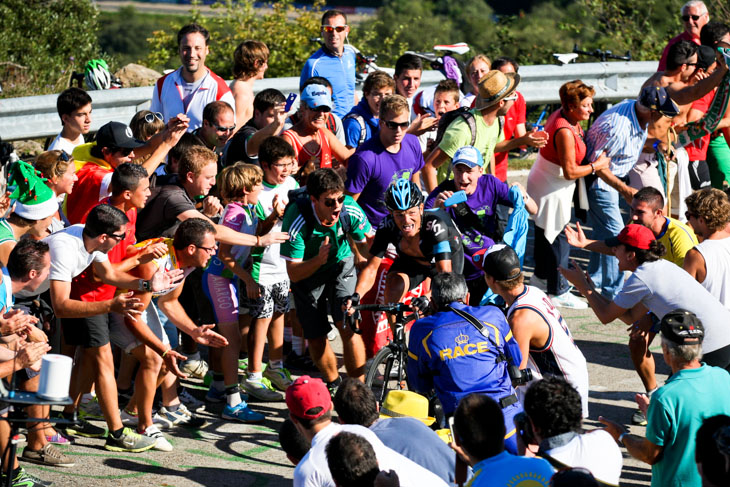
334	61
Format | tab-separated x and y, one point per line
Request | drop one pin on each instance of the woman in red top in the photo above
552	183
310	137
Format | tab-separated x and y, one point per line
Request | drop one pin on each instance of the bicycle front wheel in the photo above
386	373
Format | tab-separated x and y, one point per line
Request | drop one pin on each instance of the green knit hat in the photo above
34	199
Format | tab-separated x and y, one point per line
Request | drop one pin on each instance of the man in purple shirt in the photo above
393	154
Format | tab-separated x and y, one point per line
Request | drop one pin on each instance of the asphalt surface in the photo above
233	454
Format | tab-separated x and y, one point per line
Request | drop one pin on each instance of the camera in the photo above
519	377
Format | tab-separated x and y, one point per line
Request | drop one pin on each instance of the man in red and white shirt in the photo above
191	87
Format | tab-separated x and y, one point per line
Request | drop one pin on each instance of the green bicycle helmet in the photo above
97	76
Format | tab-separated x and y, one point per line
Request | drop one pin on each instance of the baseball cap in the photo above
682	327
501	262
635	235
117	134
468	155
705	57
305	394
656	98
317	97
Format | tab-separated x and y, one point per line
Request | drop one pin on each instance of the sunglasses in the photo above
396	125
150	117
124	152
331	202
118	236
221	128
329	29
694	17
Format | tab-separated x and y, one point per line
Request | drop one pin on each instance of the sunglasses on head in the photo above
329	29
395	125
694	17
63	156
150	117
331	202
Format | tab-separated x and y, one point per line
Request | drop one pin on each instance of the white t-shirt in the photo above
313	471
68	146
596	451
717	263
69	257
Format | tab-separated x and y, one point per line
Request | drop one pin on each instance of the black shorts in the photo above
321	295
194	300
416	272
91	332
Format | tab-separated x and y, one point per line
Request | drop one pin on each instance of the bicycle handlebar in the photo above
602	55
387	308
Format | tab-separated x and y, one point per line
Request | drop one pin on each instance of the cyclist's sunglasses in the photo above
329	29
331	202
394	125
150	117
694	17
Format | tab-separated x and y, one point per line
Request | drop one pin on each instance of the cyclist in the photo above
427	242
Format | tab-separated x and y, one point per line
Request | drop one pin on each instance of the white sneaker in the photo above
161	442
190	401
195	368
569	300
541	284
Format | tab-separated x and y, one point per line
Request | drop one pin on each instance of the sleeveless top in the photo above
560	356
556	122
303	155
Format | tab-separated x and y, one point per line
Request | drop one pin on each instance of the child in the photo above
269	301
239	187
74	108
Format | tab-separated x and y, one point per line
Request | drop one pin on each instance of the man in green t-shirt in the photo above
321	269
496	96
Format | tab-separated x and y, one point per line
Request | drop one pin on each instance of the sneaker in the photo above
541	284
195	368
91	409
241	412
24	479
161	442
638	418
261	390
129	441
304	362
128	419
279	378
181	417
190	401
82	428
243	364
49	455
214	395
60	439
568	300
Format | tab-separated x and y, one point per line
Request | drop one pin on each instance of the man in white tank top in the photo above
708	213
544	338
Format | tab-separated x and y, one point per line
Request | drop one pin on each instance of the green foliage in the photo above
49	39
285	29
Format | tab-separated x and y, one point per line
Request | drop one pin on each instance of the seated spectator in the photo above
712	451
553	408
403	424
292	442
361	124
267	120
695	391
352	461
250	60
310	409
74	108
479	440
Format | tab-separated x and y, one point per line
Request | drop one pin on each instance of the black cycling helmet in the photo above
403	194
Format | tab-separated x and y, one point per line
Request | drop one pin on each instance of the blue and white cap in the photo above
317	97
468	155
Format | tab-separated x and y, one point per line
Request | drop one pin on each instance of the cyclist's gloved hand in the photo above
421	304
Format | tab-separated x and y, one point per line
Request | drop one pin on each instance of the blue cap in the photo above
468	155
656	98
317	97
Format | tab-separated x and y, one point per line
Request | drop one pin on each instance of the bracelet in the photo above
621	437
593	169
166	352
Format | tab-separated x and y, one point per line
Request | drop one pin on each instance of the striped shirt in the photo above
618	132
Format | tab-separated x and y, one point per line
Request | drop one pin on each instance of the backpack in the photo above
300	197
361	122
448	117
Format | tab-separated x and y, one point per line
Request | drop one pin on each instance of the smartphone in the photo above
460	467
451	427
455	199
290	101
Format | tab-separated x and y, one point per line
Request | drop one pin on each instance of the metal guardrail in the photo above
36	116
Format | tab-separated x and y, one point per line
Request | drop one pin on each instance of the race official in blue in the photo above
461	350
335	61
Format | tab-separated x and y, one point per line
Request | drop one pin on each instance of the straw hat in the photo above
495	86
406	404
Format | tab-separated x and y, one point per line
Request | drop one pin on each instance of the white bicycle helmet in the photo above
97	76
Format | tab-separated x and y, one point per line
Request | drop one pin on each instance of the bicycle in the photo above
387	371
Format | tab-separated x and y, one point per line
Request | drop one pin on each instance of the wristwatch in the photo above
144	286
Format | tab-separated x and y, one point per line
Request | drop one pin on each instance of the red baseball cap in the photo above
305	394
635	235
